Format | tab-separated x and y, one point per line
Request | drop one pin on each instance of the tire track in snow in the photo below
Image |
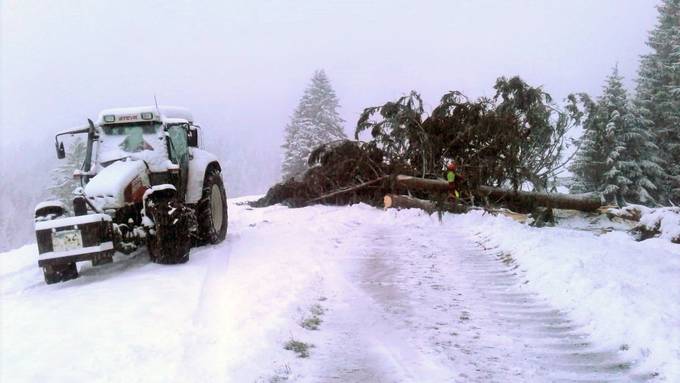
363	338
203	357
553	347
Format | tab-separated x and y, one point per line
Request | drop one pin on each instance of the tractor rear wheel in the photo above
60	272
212	213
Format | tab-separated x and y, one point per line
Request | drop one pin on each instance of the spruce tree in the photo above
315	122
63	182
640	161
595	166
658	93
613	107
585	174
617	156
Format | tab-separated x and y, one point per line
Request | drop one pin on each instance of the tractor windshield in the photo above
133	134
138	139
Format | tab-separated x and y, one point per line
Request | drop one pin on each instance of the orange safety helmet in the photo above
451	165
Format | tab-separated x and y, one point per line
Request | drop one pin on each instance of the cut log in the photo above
583	202
406	202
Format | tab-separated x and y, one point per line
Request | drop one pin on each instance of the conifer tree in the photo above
617	156
640	161
63	182
613	107
315	122
585	166
658	93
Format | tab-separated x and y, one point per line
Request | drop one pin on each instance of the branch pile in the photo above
340	173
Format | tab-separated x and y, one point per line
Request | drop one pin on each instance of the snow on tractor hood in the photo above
108	188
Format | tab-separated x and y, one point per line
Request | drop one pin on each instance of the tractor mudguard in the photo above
198	164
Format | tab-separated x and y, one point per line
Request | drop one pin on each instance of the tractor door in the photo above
178	149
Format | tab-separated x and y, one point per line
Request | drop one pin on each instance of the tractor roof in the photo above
143	113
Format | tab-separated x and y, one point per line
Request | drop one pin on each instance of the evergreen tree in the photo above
63	182
658	92
613	110
617	156
586	164
314	122
641	161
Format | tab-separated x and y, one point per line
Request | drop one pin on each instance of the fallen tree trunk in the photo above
583	202
406	202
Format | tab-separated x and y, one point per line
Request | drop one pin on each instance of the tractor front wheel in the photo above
169	241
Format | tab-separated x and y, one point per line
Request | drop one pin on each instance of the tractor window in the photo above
134	135
134	128
178	145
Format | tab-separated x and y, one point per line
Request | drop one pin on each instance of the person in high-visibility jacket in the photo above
451	177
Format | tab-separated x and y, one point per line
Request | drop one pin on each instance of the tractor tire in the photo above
212	215
60	272
170	241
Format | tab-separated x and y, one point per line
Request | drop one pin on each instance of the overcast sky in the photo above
242	66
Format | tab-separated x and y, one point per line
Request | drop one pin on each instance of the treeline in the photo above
630	149
518	139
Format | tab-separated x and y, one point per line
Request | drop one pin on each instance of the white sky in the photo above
242	66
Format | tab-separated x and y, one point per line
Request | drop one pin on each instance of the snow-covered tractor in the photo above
144	181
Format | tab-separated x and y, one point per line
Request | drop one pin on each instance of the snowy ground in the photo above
394	297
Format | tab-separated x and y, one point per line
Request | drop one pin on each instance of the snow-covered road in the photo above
371	296
421	303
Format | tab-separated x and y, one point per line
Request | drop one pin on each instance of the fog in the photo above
242	66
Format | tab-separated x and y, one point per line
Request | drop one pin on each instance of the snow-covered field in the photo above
377	296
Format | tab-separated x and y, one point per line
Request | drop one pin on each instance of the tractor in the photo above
145	181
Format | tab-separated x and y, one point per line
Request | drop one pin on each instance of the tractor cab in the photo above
149	142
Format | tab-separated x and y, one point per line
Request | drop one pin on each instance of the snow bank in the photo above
621	290
665	221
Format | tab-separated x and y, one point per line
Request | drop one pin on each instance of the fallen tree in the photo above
298	194
519	200
347	172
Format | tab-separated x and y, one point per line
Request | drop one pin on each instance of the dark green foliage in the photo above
658	93
600	161
333	166
617	156
515	137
